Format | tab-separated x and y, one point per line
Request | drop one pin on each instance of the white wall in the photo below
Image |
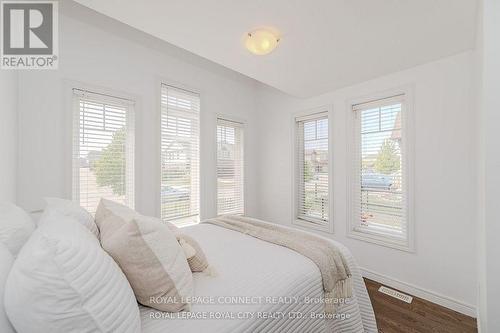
489	273
444	265
101	52
481	260
8	135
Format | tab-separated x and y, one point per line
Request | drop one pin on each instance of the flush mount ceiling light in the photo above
261	41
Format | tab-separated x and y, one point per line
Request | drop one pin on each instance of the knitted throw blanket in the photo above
337	280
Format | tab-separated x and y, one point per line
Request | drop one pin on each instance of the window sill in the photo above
387	240
328	228
185	222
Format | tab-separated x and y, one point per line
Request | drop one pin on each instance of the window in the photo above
312	171
180	171
103	149
380	187
230	175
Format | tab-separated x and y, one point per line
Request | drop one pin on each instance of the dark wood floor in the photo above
420	316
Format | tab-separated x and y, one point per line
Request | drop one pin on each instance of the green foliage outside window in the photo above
110	162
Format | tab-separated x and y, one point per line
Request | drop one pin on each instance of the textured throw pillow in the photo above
16	226
195	256
6	260
71	209
149	255
63	281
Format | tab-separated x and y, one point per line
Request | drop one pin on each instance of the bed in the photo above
256	286
251	286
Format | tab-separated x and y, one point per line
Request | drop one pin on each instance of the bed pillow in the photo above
63	281
196	258
16	226
151	258
71	209
115	214
6	260
108	207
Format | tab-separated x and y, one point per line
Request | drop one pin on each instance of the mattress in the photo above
256	286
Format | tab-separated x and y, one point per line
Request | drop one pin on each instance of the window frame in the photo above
160	82
327	227
74	89
244	126
407	242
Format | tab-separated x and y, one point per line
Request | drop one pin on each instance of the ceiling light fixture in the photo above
261	42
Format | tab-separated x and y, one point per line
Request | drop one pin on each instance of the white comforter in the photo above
260	287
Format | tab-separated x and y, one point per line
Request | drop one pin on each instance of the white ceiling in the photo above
325	44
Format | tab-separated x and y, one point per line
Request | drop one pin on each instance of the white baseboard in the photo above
413	290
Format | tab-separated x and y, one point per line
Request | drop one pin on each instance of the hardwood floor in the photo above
395	316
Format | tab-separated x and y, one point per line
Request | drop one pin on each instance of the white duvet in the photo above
260	287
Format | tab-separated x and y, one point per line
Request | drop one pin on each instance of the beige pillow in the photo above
108	207
149	255
195	256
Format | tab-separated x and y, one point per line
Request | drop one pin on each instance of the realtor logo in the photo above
29	35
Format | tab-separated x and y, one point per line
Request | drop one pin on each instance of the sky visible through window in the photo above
379	123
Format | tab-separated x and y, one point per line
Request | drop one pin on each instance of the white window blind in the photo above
230	171
180	173
103	149
312	169
379	194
